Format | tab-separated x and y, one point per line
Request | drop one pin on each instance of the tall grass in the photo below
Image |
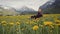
48	24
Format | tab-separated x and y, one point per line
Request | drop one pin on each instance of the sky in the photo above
34	4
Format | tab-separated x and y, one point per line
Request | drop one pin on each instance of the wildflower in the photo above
48	23
35	27
57	21
3	23
11	23
17	23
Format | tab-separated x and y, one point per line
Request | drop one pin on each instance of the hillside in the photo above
6	10
51	7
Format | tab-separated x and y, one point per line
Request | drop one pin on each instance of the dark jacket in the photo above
39	14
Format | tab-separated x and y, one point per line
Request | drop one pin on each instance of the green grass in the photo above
25	24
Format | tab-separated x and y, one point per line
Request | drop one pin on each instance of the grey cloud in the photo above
18	3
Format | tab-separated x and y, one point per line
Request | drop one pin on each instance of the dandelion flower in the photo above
3	23
11	23
35	27
48	23
17	23
57	21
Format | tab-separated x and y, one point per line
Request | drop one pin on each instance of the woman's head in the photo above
39	10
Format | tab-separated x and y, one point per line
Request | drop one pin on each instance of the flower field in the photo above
48	24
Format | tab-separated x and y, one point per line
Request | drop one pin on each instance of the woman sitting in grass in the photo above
39	14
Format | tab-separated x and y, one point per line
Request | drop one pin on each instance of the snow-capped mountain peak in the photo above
25	8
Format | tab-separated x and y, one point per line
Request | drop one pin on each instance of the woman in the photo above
39	14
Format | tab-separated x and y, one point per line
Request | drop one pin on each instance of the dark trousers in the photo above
36	16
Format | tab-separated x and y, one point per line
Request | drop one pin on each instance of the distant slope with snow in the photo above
52	6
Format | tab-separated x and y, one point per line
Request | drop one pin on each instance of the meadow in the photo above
23	24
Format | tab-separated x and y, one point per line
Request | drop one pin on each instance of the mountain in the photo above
57	3
56	8
10	11
47	5
26	10
6	10
52	6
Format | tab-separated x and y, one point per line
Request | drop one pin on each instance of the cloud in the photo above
19	3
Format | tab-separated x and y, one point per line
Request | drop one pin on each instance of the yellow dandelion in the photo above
35	27
11	23
17	23
57	21
48	23
3	23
